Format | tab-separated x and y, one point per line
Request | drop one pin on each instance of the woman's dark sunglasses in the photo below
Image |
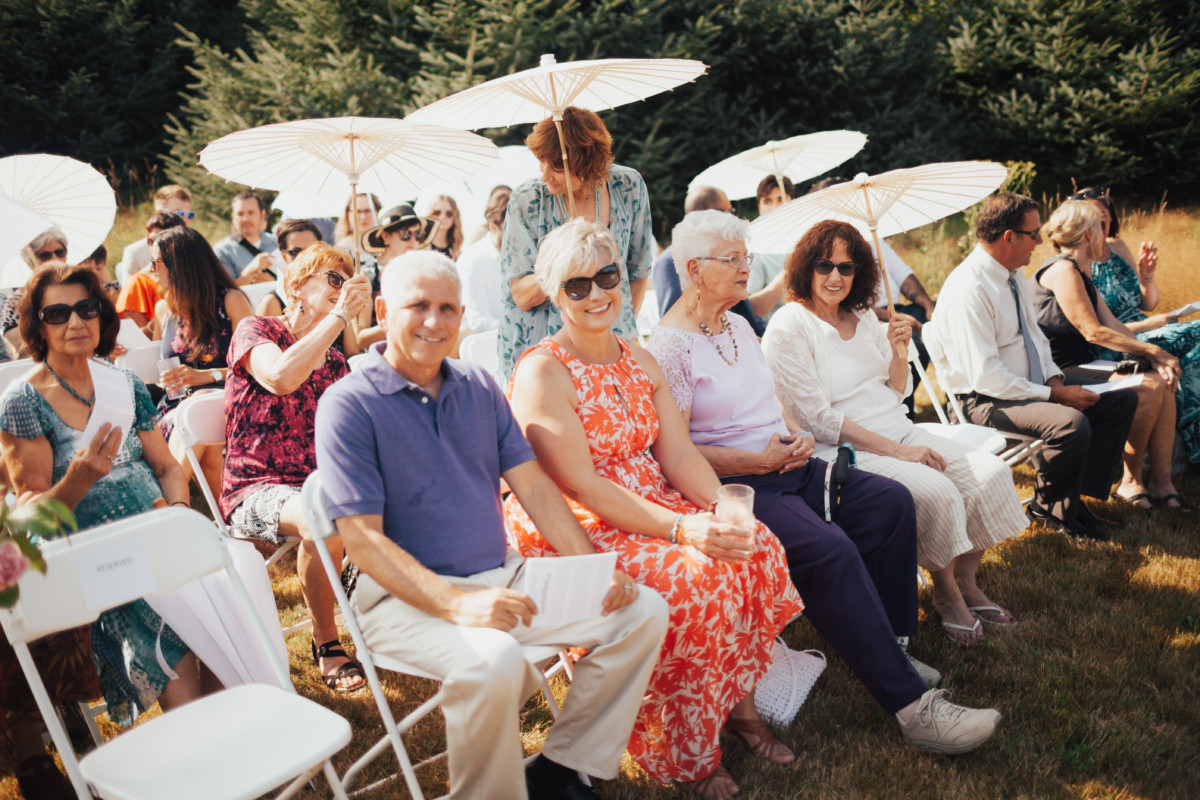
59	313
47	255
335	278
606	278
825	267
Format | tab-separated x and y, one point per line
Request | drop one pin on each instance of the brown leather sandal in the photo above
758	739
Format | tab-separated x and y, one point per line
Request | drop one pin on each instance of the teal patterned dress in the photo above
532	214
1118	284
126	641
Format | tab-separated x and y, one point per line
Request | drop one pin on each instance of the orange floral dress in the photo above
724	617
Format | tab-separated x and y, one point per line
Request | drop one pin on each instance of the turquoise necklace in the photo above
65	385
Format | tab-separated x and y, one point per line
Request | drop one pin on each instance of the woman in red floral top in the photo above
278	369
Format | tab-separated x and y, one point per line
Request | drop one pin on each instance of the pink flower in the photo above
12	564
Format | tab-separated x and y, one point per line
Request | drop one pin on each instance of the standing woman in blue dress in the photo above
604	192
1130	289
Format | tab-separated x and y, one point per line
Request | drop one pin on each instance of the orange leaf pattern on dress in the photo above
724	617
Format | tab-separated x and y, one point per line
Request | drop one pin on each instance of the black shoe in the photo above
1072	528
1095	523
545	780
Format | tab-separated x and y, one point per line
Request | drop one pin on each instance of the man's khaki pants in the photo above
487	679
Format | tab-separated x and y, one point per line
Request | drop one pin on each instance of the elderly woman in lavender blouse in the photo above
855	570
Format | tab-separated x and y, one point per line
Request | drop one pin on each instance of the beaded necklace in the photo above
65	385
712	337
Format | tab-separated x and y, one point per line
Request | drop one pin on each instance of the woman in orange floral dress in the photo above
600	417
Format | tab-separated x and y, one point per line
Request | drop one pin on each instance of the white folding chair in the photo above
953	424
11	370
480	348
648	315
200	419
321	527
239	743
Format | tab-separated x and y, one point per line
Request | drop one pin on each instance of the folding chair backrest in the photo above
200	419
480	348
257	291
104	567
12	370
934	391
648	315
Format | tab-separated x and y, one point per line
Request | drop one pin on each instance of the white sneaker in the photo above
939	726
929	675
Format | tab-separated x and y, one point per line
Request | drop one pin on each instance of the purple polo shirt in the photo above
430	467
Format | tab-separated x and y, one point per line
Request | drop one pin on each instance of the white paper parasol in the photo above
545	90
798	158
320	156
889	203
69	193
19	224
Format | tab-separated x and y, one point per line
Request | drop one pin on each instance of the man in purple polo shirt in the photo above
411	450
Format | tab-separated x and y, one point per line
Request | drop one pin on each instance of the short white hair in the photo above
40	241
399	274
576	248
695	234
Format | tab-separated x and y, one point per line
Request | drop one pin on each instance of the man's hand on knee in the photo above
492	608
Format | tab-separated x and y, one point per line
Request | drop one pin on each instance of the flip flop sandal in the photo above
1134	500
948	627
989	615
351	669
1165	502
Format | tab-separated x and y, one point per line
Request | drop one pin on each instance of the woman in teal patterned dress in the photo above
117	474
603	192
1130	292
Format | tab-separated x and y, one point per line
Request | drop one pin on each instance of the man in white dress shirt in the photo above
989	351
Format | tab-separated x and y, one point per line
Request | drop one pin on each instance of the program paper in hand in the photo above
1185	311
568	588
114	403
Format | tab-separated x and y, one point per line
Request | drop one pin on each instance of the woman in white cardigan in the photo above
839	372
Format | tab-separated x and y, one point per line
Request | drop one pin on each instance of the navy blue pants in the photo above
857	575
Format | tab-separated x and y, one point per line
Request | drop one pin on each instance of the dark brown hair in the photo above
769	184
290	226
589	145
1002	212
196	278
497	206
164	220
60	274
1090	193
817	244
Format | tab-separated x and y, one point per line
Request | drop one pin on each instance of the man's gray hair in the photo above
399	274
695	234
39	241
577	248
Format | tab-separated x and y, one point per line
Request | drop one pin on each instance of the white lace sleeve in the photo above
672	349
801	372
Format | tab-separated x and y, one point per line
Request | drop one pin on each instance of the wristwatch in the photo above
218	375
337	312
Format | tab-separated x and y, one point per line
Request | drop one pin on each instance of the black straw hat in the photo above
400	216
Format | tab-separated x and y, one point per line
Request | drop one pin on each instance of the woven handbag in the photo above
789	679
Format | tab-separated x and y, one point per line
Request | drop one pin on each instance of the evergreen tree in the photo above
95	79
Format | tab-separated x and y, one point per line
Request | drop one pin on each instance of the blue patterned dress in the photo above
1118	284
532	214
126	639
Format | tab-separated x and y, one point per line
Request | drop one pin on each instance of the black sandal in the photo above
333	649
1165	502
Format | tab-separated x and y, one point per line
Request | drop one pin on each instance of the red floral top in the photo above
269	438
